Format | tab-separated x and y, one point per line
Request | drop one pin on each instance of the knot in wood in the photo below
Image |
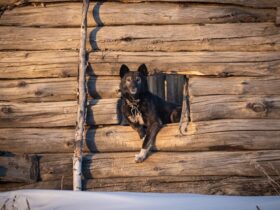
7	109
257	107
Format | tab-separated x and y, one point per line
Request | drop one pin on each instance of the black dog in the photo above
145	112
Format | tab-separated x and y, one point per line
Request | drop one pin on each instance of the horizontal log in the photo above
56	167
63	184
37	64
202	136
234	107
115	13
219	185
38	90
19	168
107	111
37	140
257	3
201	86
48	114
28	38
103	112
253	163
191	63
208	37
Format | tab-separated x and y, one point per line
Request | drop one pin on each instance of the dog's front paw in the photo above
139	158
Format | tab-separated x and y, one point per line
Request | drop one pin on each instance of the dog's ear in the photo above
143	70
123	70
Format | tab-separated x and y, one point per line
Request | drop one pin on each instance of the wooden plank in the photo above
37	64
201	86
220	185
208	37
202	136
48	114
38	90
19	168
257	3
103	112
191	63
115	13
63	184
234	107
50	15
175	86
28	38
110	165
156	84
37	140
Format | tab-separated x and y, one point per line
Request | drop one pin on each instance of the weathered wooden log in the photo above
62	184
36	64
29	38
201	136
219	185
37	140
107	111
253	163
104	112
202	86
19	168
209	37
48	114
234	107
191	63
56	167
258	3
114	13
38	90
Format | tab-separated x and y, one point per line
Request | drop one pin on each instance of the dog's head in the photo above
133	83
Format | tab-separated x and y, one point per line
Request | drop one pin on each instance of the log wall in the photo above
229	50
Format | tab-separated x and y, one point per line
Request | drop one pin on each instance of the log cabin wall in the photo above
229	50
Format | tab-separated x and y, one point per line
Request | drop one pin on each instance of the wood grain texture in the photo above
107	111
28	38
19	168
202	136
62	184
116	13
234	107
48	114
110	165
38	90
56	167
191	63
38	64
208	37
257	3
210	185
201	86
37	140
103	112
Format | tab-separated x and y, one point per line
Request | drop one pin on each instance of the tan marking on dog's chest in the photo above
136	119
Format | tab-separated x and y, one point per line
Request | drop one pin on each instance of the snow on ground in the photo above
69	200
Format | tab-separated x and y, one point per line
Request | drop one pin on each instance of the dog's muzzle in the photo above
133	90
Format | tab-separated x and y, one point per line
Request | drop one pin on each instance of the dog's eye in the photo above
138	79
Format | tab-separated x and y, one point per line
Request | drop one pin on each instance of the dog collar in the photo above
134	107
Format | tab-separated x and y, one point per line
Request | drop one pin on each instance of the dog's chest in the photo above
136	118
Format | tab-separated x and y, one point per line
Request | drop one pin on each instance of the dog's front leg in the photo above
149	141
